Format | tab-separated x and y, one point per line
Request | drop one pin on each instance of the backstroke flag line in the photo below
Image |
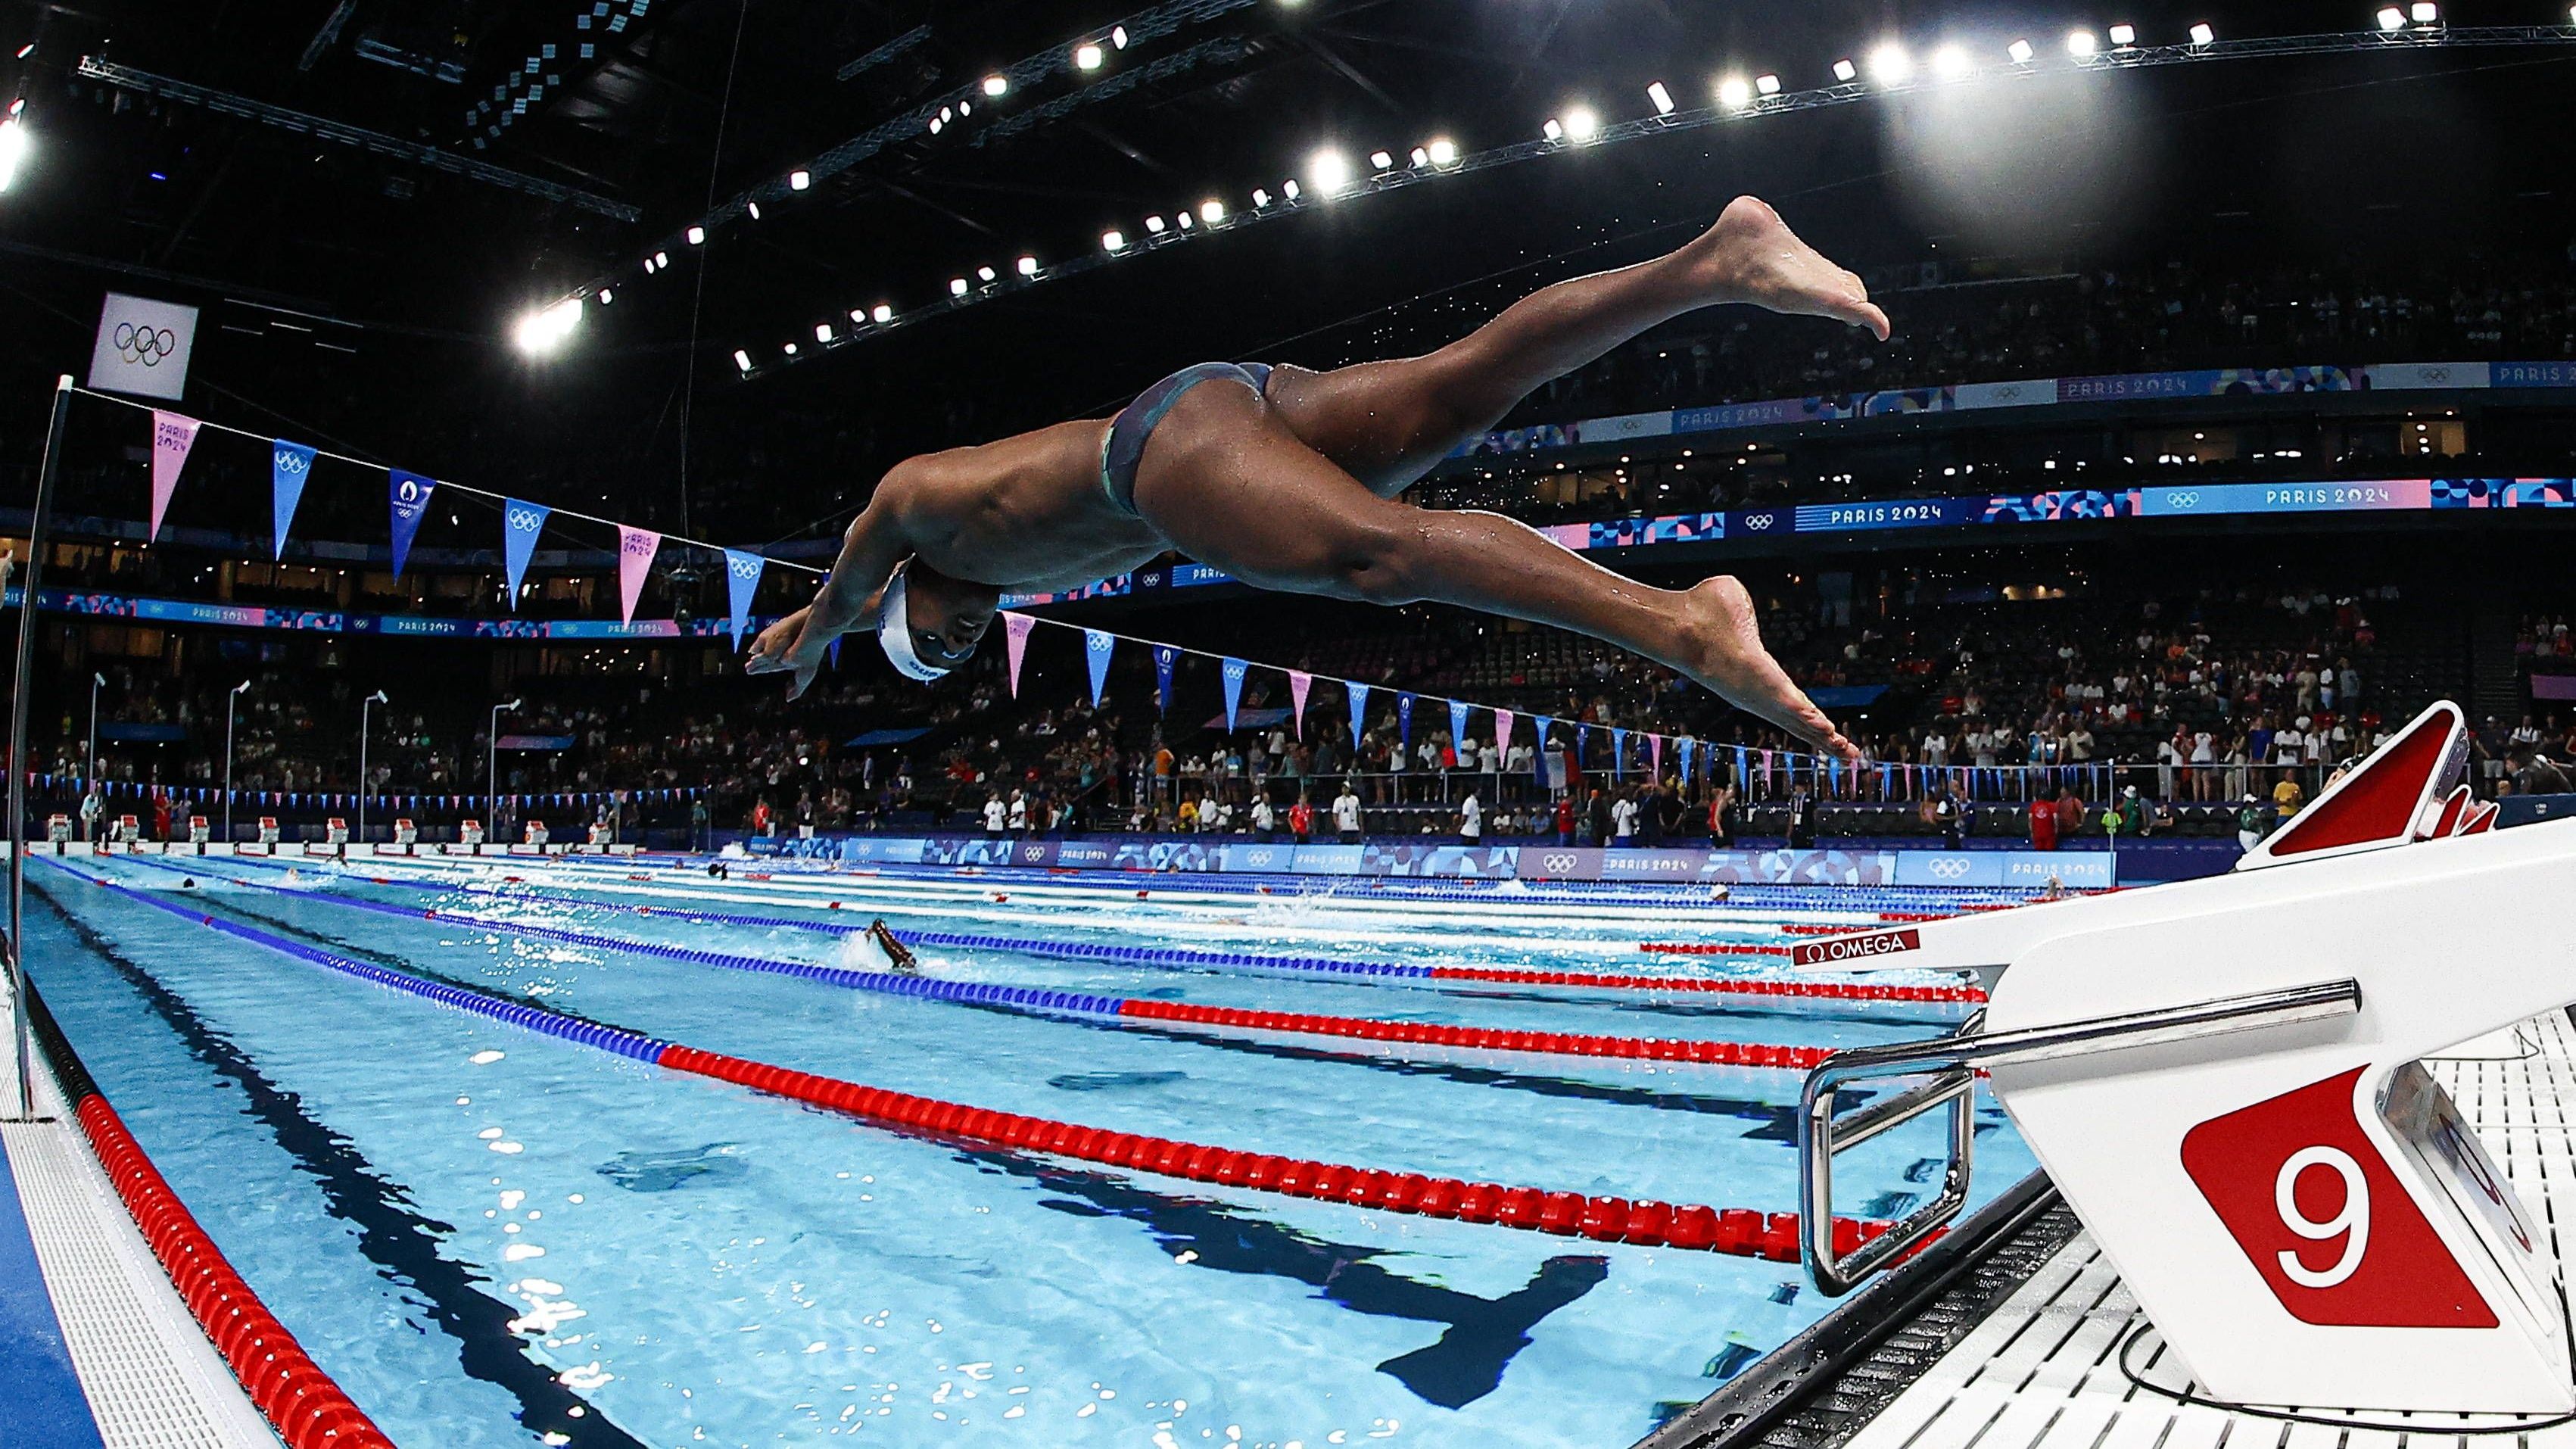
521	523
1097	645
742	582
1233	670
407	494
1015	637
635	550
172	437
289	465
1299	681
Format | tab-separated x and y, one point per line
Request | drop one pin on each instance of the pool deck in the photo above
2043	1370
96	1347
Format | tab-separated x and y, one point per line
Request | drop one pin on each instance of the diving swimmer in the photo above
1286	478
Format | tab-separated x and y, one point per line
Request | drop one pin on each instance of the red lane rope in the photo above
308	1409
1712	948
1739	1231
1742	985
1716	1053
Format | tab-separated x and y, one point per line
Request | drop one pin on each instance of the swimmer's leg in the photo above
1388	423
1226	481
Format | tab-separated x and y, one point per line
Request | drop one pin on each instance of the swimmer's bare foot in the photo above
1750	255
1732	664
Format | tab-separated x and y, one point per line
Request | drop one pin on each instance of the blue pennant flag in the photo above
742	581
1582	744
1541	756
1097	646
520	525
832	652
1233	670
289	464
1458	727
1618	753
408	494
1165	656
1359	711
1404	719
1688	745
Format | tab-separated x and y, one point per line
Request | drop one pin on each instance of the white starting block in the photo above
58	831
2224	1079
268	832
536	834
599	834
198	831
469	834
127	831
335	831
406	834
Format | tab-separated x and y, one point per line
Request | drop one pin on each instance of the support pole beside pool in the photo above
23	1109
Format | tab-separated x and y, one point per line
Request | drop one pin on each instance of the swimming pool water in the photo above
492	1236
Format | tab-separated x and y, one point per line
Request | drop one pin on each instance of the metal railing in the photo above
1950	1063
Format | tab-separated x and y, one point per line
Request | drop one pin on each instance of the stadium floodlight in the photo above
1844	70
1768	85
742	359
13	149
1581	124
1420	157
1381	160
2020	51
2080	43
1444	152
1028	266
1154	225
1734	92
2124	35
1113	241
1662	98
1328	171
799	180
858	316
2391	18
1951	62
1260	198
1552	130
754	208
697	236
2425	12
789	349
542	330
2202	34
983	274
1211	211
997	86
936	125
882	314
606	296
1889	65
1289	189
1118	36
1087	56
957	285
822	331
661	261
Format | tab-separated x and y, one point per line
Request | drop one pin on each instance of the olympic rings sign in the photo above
146	345
1948	867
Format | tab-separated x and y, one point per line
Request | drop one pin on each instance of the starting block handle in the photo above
1951	1062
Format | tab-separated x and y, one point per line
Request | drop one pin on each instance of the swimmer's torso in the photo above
1023	514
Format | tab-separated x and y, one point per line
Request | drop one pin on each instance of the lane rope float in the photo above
1027	998
1741	1232
308	1409
1190	957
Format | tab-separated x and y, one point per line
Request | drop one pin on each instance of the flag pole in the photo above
19	1012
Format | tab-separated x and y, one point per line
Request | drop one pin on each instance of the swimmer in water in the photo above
1287	480
899	956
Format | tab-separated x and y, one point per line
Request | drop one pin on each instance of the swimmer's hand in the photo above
790	646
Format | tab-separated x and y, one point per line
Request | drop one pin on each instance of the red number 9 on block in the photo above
2390	1270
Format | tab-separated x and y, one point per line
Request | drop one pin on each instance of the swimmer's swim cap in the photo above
894	633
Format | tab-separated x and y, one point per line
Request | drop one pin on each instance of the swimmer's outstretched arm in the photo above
848	599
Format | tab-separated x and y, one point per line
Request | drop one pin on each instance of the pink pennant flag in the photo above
1298	683
1015	635
1766	769
1503	731
635	550
172	437
1655	754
